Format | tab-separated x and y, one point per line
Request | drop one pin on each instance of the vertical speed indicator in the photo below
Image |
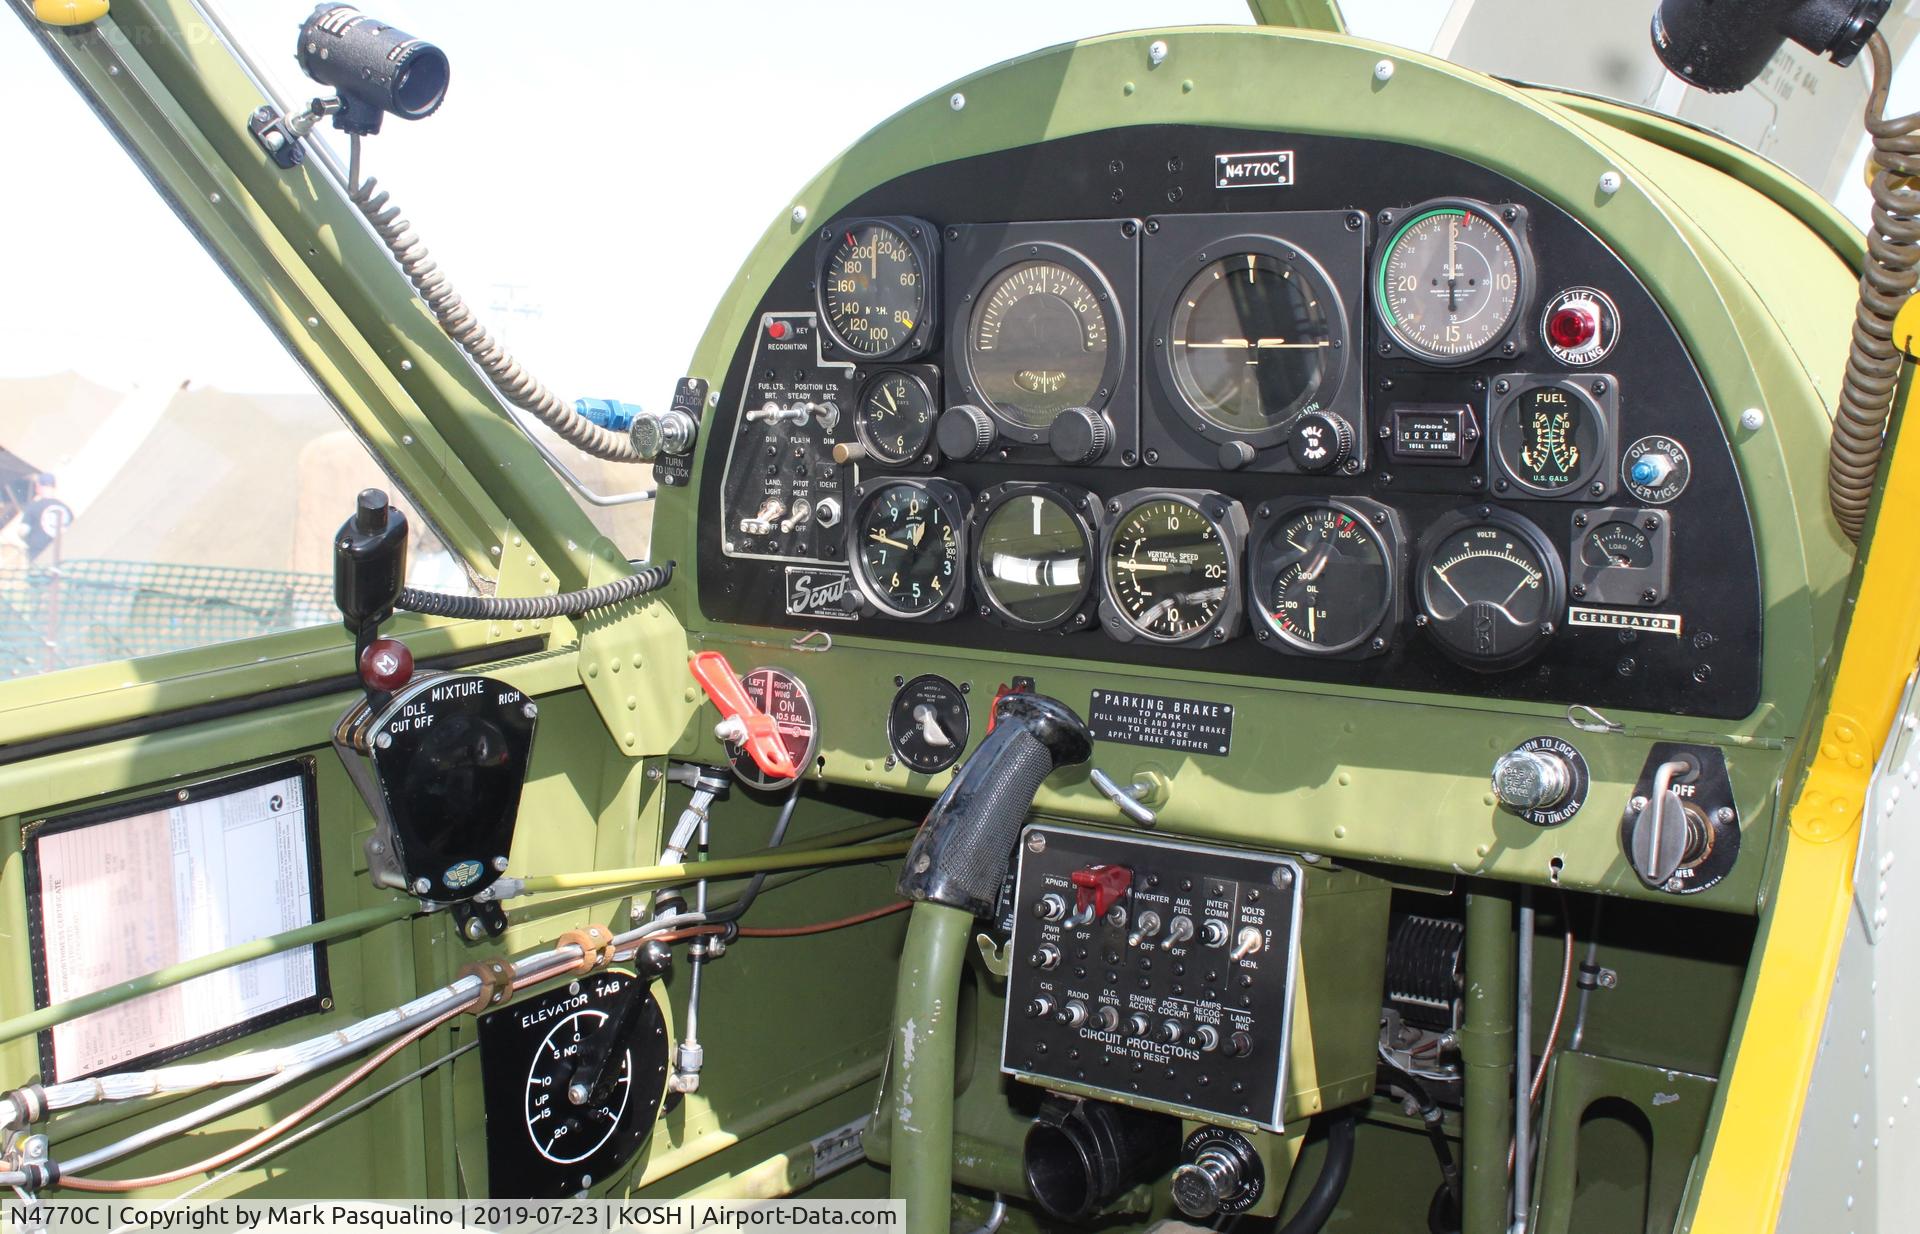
875	286
1172	568
1451	281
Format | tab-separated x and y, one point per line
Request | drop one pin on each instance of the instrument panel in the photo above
1400	424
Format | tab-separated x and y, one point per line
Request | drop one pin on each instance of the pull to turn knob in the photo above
1544	780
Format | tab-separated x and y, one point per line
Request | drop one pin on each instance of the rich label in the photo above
1191	725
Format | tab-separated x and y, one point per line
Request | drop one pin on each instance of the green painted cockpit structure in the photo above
1389	787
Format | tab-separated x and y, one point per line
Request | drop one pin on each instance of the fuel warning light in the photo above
1580	325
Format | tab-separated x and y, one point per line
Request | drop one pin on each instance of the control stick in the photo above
953	874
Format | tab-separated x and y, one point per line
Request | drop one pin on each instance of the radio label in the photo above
1263	169
1194	726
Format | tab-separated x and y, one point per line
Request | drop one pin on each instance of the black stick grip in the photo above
959	857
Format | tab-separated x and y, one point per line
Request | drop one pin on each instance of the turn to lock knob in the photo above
1202	1185
1543	780
964	432
1531	779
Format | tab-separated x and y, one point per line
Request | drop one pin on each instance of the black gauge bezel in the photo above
1105	254
922	240
896	740
1229	519
1598	393
1263	570
1309	241
1081	506
1510	221
1452	524
952	500
927	377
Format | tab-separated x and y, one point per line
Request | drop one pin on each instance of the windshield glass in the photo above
591	186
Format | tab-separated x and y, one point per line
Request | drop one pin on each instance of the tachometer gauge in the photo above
895	418
907	546
1033	550
874	286
1037	342
1171	570
1490	588
1321	578
1255	341
1452	279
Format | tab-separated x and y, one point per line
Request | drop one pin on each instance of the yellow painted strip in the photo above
1747	1172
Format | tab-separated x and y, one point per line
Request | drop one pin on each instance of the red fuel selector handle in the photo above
741	723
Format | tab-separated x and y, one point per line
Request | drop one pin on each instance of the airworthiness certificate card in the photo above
236	868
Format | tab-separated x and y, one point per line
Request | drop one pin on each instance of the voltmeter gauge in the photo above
895	418
1490	588
927	724
1451	280
875	286
784	697
1172	568
907	545
1321	578
573	1080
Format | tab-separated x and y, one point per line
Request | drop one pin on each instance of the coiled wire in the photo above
515	383
1888	279
535	608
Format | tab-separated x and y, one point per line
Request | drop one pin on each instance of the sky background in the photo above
581	186
562	185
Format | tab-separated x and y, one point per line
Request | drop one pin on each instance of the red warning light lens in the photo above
1573	325
776	330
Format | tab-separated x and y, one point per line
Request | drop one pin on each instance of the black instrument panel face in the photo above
1407	394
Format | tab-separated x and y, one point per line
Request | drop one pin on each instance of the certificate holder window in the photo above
119	892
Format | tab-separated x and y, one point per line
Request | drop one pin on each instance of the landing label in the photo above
1191	725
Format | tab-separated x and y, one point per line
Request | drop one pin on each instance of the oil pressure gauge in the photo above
1322	577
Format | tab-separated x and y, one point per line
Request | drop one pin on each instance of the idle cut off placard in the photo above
1154	972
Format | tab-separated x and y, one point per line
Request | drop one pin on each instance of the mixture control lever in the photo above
742	724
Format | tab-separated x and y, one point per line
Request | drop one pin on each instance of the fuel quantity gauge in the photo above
1322	578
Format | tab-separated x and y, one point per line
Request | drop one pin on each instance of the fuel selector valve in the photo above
743	725
1544	780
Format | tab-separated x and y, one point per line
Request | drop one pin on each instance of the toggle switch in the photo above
1097	889
1145	926
1179	930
